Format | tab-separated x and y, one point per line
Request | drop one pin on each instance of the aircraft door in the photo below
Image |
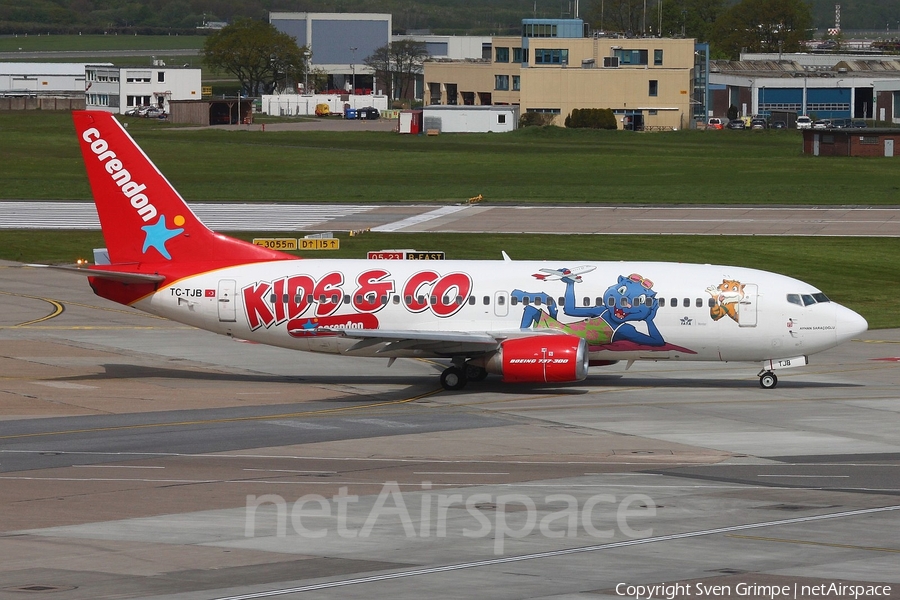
501	304
747	306
225	301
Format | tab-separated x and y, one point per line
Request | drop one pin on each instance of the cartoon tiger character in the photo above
728	296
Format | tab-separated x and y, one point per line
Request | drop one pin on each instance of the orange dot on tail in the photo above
178	220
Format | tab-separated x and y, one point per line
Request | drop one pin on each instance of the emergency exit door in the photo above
225	301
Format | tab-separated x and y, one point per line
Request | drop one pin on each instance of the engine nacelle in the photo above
539	359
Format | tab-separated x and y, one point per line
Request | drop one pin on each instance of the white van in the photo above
804	122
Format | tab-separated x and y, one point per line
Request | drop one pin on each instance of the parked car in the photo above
858	125
822	124
759	123
841	123
369	112
804	122
779	125
714	123
737	124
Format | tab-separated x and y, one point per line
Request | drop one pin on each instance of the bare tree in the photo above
398	62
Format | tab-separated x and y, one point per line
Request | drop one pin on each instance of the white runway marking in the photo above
418	219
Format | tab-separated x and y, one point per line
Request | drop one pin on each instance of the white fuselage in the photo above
294	303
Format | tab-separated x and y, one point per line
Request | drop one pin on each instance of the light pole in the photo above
353	71
306	55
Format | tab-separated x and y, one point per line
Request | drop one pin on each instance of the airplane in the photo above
527	321
558	274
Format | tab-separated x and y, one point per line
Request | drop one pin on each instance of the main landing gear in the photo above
456	377
767	380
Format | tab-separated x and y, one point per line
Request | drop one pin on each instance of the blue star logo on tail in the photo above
157	235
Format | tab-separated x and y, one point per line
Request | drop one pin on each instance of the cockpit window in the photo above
820	297
794	299
807	299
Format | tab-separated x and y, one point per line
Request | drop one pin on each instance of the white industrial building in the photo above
292	105
34	79
117	89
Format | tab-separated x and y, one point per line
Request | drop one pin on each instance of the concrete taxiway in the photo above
143	459
483	218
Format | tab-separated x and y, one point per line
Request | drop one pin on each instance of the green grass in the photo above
89	43
856	272
530	165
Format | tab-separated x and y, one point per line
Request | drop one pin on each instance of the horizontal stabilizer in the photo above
120	276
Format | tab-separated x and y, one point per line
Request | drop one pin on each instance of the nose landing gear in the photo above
767	380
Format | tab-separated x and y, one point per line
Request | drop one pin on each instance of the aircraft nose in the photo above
848	324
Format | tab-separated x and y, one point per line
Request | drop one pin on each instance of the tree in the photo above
762	26
258	55
398	61
690	18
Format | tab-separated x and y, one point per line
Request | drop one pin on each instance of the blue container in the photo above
350	113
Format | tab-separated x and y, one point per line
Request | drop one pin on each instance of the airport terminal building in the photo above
557	65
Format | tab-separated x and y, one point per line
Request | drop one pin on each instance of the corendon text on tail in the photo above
525	321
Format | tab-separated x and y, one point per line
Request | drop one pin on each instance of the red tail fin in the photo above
144	220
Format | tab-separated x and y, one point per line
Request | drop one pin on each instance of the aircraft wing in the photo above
437	343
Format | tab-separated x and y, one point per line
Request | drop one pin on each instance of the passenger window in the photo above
662	301
711	302
486	300
358	299
687	302
699	303
346	299
550	301
513	301
322	298
562	301
396	299
794	299
446	300
526	300
335	298
471	300
610	301
421	299
273	299
598	301
298	299
501	300
384	300
459	300
407	299
537	301
622	302
310	299
434	299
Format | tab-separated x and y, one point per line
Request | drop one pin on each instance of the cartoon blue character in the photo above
630	299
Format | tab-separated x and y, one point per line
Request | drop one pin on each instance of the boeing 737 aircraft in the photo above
525	321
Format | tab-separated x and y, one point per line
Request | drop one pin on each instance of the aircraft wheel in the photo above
453	378
767	380
474	373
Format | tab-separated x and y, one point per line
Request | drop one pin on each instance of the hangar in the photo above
832	87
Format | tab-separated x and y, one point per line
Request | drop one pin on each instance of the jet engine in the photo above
539	358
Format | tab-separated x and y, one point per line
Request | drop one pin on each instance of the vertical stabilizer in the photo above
144	220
